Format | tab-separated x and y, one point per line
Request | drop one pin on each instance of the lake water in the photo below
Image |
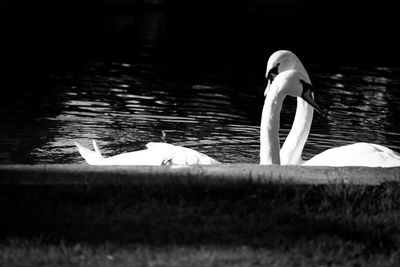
124	105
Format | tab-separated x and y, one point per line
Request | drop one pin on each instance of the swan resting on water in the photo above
155	154
286	75
358	154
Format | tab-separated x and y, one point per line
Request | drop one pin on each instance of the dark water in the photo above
125	105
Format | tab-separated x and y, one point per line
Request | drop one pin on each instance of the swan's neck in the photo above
293	147
269	130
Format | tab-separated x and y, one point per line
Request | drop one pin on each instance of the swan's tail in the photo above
91	157
96	148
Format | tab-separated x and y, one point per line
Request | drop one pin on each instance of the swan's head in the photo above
296	84
281	61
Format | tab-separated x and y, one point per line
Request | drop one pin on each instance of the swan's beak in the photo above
307	96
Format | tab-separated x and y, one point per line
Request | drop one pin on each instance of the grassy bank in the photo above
236	224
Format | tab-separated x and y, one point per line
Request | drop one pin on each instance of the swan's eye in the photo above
272	73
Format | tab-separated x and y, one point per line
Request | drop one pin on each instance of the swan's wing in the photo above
159	146
358	154
91	157
187	156
161	154
155	154
385	150
178	155
96	148
141	157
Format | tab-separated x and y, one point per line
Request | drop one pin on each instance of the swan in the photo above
155	154
279	83
289	82
292	148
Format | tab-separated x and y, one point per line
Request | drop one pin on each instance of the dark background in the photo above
197	33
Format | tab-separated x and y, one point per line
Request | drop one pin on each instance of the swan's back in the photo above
155	154
358	154
178	155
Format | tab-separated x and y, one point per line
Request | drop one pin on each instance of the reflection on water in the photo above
123	106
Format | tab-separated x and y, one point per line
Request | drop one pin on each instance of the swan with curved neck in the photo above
155	154
292	148
289	82
358	154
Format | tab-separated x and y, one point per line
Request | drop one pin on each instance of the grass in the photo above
237	224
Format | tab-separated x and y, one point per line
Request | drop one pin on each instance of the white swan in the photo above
292	148
280	84
289	82
155	154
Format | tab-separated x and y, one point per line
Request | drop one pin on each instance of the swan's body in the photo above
358	154
155	154
283	67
